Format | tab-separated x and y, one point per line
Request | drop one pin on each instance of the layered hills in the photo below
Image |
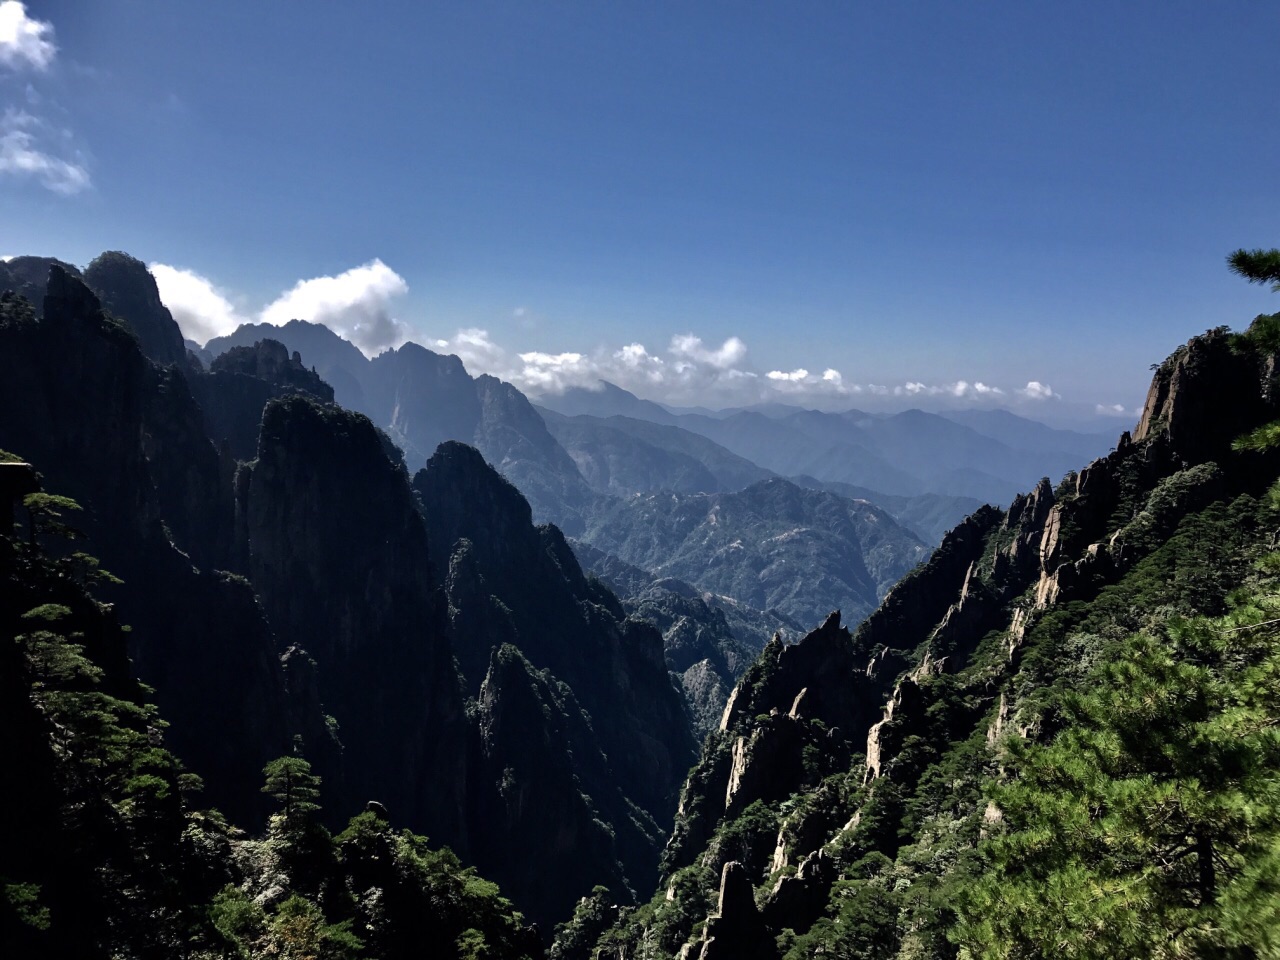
338	571
988	455
595	479
1052	738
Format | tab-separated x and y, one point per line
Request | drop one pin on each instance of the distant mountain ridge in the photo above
577	472
772	545
988	455
422	398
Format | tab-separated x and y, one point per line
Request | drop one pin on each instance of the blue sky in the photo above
913	195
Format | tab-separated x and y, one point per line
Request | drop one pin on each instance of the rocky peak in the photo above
1208	392
735	931
423	398
29	276
67	299
239	384
334	544
465	498
270	360
127	288
338	362
821	667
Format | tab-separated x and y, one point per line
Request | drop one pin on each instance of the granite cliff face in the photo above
332	541
855	756
241	381
124	438
553	758
599	674
127	289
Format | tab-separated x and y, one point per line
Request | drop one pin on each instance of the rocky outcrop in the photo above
735	931
1206	394
545	816
127	289
561	620
338	362
28	277
238	386
810	679
513	585
333	542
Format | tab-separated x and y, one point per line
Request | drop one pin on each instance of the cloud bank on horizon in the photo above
31	146
357	305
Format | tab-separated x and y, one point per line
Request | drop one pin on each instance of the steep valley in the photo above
431	614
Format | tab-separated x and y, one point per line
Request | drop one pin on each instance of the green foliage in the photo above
291	784
47	512
1257	266
865	925
240	921
1262	336
591	917
408	894
299	931
747	838
1266	437
22	900
1150	825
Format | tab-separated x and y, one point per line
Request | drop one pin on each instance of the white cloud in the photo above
550	371
1115	410
730	354
799	375
24	41
201	310
1035	390
23	153
640	363
354	304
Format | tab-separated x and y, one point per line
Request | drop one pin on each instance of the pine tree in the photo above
1150	826
291	783
1257	266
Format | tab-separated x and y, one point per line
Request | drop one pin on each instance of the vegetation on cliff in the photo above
112	855
1056	738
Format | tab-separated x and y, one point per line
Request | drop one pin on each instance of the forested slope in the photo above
1056	738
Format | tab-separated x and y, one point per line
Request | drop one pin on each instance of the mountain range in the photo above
338	573
1031	747
419	636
